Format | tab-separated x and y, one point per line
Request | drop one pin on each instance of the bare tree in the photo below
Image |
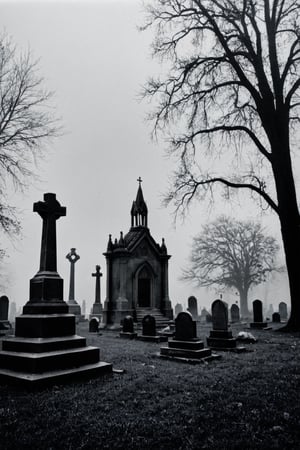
232	254
26	123
231	94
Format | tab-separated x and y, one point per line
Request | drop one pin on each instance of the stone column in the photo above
97	306
74	307
46	287
166	302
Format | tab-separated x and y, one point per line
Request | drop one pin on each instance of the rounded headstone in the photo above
128	325
235	313
192	306
149	325
219	315
185	327
4	307
257	311
276	317
94	325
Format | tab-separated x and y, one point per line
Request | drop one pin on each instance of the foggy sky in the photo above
95	60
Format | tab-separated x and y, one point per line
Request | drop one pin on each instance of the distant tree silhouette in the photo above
232	254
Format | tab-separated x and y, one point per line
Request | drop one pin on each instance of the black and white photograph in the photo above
150	226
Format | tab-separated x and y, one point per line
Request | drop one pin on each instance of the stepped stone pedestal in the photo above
186	345
45	347
222	340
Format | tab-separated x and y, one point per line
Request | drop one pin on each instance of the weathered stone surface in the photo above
149	326
219	315
185	327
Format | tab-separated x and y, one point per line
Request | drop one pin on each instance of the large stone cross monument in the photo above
74	307
97	306
45	346
46	287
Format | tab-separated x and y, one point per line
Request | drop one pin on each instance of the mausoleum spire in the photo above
139	210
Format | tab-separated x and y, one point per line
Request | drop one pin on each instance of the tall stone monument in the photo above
97	306
74	307
45	347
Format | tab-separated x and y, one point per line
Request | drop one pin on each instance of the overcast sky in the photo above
94	58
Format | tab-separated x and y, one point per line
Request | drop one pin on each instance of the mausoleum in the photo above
136	272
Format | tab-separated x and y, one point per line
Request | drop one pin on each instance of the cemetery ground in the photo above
248	400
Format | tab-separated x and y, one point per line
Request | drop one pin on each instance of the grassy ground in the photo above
243	401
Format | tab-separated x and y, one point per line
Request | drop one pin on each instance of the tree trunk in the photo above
244	303
288	216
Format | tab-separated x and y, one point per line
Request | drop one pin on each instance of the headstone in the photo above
74	307
185	327
282	308
149	330
258	315
235	313
192	307
97	306
178	309
5	325
220	338
94	325
276	317
219	315
13	311
185	346
4	308
149	325
128	328
257	311
45	347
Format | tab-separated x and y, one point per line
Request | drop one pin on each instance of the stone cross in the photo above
73	258
98	275
50	210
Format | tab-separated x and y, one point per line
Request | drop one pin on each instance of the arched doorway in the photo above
144	287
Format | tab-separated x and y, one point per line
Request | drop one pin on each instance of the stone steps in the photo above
41	345
45	361
55	376
160	319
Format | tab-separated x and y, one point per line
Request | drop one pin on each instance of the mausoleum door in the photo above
144	287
